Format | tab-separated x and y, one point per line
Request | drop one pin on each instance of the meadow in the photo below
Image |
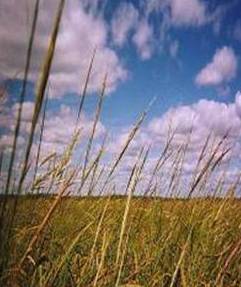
63	224
164	242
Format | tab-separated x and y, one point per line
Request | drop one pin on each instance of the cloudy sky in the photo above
184	53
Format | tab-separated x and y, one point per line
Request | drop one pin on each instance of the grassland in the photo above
164	242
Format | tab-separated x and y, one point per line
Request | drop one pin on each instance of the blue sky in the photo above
185	53
170	78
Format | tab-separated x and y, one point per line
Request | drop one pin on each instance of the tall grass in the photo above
19	115
106	239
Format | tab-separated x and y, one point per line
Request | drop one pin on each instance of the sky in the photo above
184	53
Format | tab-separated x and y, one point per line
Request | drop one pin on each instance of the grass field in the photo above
162	242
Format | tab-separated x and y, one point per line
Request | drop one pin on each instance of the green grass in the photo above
157	233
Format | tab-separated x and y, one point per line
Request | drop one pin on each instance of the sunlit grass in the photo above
164	242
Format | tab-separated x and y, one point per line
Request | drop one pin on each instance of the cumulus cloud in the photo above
190	124
221	69
59	127
238	103
81	32
6	141
8	116
201	119
124	20
84	28
143	39
173	14
198	120
182	13
188	12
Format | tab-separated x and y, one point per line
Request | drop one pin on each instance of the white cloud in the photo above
80	33
191	124
143	39
59	127
187	12
124	20
6	141
198	121
27	110
221	69
172	14
181	13
119	140
202	118
238	103
8	116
